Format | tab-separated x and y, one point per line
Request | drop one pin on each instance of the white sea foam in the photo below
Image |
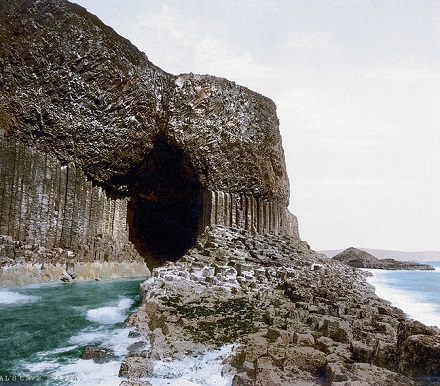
412	303
87	372
61	350
80	372
202	370
110	314
84	372
88	337
11	297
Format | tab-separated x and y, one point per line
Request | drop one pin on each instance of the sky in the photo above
357	89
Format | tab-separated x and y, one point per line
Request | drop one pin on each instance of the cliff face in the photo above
74	87
169	155
104	156
50	205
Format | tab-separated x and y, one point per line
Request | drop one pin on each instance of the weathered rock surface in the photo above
72	86
96	141
52	219
361	259
105	157
98	354
294	316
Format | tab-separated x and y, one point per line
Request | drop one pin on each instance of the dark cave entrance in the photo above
164	216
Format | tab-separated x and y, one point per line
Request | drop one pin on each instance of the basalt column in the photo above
46	206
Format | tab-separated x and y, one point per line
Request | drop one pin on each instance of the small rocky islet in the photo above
109	164
361	259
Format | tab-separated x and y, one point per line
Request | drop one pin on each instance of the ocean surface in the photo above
415	292
44	329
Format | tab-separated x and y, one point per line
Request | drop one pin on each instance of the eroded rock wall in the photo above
73	87
46	207
247	212
84	113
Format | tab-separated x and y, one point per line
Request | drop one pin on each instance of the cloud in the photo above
167	24
403	72
223	58
343	182
299	40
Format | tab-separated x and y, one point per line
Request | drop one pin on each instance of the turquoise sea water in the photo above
415	292
45	328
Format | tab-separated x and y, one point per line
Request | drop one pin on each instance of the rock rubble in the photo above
294	316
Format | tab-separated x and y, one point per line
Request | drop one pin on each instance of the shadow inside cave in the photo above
164	215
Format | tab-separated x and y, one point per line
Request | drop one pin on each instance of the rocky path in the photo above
294	316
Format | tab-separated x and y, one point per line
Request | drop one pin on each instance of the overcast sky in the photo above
357	89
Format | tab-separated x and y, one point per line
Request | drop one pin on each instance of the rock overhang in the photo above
83	92
187	151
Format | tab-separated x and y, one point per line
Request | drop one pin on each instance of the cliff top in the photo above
73	87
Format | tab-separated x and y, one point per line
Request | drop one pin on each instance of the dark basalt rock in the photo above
98	354
95	140
289	324
95	137
71	86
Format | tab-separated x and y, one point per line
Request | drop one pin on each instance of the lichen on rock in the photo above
289	324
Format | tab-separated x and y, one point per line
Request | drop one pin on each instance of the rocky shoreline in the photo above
24	264
106	160
294	317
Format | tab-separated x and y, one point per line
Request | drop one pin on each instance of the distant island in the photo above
391	254
361	259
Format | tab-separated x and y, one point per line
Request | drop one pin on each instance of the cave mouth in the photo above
164	215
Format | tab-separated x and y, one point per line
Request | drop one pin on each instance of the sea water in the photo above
45	328
414	292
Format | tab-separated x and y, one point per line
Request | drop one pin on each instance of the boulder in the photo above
98	354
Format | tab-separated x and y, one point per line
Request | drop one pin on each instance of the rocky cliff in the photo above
173	153
52	219
107	161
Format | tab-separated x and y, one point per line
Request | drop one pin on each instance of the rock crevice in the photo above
294	317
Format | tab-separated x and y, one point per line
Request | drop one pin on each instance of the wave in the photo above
78	373
201	370
110	314
84	372
88	337
414	303
11	297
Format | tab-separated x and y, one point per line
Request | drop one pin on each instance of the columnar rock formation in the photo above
125	149
55	224
53	206
291	321
105	157
247	212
